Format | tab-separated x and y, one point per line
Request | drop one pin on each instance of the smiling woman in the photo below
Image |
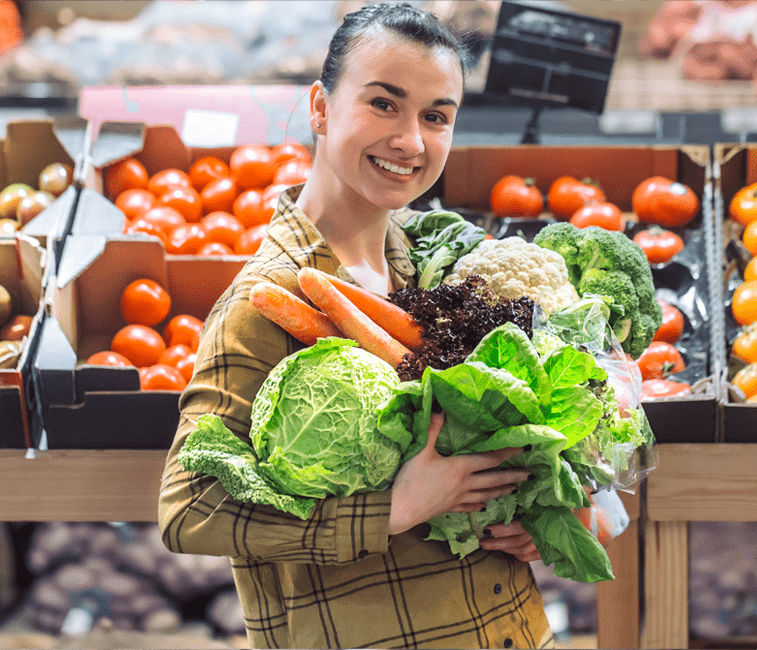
359	571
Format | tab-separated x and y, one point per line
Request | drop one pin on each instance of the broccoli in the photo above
605	262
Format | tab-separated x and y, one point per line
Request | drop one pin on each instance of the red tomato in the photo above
186	239
249	209
185	200
744	303
222	227
164	218
746	380
205	170
750	272
664	202
602	214
250	241
182	329
140	344
743	205
108	358
162	377
195	343
515	196
186	366
145	302
271	196
672	325
659	245
745	344
214	248
659	360
16	328
652	389
134	203
598	522
174	353
219	195
288	151
128	174
166	179
291	172
252	166
749	237
140	225
567	195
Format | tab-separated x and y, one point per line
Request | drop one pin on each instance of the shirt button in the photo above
508	642
362	554
497	589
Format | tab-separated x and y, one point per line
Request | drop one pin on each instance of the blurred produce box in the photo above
22	272
92	406
736	166
471	173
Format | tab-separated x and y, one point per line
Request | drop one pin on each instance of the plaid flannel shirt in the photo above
337	579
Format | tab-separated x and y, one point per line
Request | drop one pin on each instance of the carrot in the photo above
348	318
395	320
295	316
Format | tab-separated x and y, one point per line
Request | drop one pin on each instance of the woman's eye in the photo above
381	104
436	118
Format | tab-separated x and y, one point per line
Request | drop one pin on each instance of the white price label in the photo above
209	129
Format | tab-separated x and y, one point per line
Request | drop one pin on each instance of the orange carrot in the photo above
395	320
348	318
295	316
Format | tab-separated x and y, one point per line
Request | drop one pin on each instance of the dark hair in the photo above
402	19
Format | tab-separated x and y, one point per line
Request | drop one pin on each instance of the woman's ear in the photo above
318	108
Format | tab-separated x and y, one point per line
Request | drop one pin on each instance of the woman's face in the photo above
389	120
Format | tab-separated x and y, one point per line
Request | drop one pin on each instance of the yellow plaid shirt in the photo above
337	579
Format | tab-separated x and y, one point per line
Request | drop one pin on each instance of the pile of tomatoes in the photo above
165	359
743	210
216	207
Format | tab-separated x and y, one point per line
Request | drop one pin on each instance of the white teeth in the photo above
392	167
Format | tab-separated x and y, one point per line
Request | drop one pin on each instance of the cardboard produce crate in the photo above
736	167
22	273
91	407
471	172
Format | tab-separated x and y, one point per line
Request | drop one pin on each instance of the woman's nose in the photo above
408	138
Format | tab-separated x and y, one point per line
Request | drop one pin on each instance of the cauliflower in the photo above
514	268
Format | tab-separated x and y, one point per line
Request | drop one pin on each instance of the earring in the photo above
318	125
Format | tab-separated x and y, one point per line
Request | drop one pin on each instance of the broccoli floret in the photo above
606	262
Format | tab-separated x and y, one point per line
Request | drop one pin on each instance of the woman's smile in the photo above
392	170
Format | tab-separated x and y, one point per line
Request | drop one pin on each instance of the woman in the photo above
358	572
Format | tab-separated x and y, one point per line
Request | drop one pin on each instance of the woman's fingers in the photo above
512	539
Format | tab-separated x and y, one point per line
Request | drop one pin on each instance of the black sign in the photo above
552	58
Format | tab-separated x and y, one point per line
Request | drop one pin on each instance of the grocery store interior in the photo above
616	91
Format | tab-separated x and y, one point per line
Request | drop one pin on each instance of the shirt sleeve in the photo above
238	349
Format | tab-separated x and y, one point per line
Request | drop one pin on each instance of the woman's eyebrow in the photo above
402	93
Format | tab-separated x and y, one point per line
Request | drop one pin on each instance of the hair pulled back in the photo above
399	18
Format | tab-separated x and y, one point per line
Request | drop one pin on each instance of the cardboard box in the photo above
22	273
90	407
472	171
735	167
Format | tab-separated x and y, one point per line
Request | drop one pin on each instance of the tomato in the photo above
750	272
108	358
185	200
515	196
271	196
164	217
135	202
162	377
140	344
652	389
214	248
252	166
598	522
250	240
205	170
743	205
602	214
145	302
195	343
219	195
745	344
290	150
672	325
291	172
659	245
249	210
744	303
16	328
749	238
181	329
127	174
567	195
186	239
659	360
186	366
174	353
746	380
664	202
222	227
166	179
140	225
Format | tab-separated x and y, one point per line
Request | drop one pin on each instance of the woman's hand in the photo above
512	539
430	484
